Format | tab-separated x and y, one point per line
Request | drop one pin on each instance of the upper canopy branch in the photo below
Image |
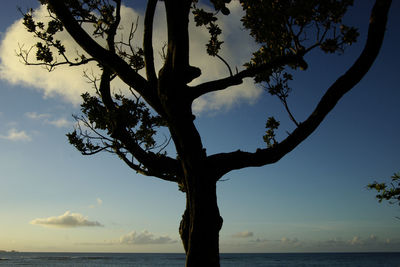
148	41
177	59
221	84
236	160
105	57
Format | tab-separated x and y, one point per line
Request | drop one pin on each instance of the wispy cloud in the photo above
295	242
99	202
36	116
145	238
47	119
59	123
244	234
15	135
67	220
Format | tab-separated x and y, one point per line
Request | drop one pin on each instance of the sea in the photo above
227	259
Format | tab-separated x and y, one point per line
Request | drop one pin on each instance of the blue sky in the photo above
314	199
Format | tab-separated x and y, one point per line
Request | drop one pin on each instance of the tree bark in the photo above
201	224
201	221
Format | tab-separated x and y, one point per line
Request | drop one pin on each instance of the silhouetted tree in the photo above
286	31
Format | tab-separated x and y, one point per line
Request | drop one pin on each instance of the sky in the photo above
313	200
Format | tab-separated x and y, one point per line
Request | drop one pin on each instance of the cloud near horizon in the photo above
244	234
68	82
145	238
135	238
353	244
67	220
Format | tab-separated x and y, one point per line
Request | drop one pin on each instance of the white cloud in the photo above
67	220
15	135
244	234
144	238
68	82
135	239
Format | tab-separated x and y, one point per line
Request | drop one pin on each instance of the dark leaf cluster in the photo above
279	85
85	146
220	5
46	34
135	58
389	192
269	137
131	114
294	27
208	19
49	51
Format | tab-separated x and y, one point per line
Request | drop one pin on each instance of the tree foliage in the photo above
389	192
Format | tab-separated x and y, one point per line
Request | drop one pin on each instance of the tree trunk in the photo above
201	221
201	224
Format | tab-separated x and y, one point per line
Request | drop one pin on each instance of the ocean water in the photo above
227	260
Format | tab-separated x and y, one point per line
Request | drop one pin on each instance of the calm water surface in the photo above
227	260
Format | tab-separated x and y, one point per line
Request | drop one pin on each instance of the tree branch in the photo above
221	84
285	104
105	57
112	31
24	56
226	64
148	41
141	170
156	164
177	59
226	162
159	165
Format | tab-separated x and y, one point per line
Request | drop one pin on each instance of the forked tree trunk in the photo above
201	224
